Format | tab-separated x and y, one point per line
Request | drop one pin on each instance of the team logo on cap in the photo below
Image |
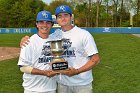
44	14
63	8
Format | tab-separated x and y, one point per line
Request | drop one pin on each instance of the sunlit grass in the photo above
11	40
10	77
118	71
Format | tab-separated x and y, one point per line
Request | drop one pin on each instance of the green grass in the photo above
118	71
10	77
10	40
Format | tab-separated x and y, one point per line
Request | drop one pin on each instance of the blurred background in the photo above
87	13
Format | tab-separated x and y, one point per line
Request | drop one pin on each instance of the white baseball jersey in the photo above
35	55
82	46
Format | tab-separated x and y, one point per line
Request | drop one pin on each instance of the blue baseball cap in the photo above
44	16
63	9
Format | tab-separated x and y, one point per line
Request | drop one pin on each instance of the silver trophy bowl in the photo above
57	50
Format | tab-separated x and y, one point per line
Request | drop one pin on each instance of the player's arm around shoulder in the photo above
24	41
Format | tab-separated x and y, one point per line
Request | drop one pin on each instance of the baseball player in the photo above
83	55
34	61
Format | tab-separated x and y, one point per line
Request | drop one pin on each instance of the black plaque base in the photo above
59	65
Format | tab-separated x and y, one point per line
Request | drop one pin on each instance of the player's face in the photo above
44	27
64	19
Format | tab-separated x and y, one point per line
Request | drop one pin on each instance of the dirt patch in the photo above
138	35
8	53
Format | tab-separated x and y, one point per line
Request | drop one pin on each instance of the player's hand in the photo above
70	72
24	41
50	73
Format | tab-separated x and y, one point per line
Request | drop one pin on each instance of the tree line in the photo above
87	13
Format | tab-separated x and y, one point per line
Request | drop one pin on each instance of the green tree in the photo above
5	6
19	13
55	4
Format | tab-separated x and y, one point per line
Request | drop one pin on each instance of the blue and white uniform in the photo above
82	47
34	55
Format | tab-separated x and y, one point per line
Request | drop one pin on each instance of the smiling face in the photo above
44	28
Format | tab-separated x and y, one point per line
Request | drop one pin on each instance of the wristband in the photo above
26	69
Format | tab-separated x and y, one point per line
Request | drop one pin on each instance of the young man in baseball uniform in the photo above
34	60
83	55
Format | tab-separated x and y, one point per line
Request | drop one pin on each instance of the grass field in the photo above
11	40
118	71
